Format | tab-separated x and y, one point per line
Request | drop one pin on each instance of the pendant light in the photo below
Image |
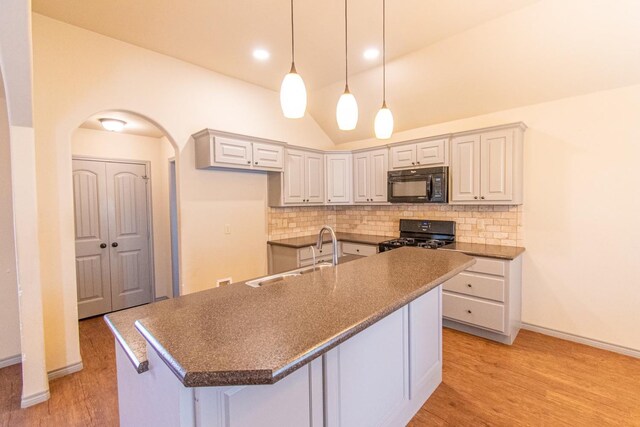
384	119
347	110
293	94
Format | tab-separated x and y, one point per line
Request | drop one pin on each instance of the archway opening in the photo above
126	212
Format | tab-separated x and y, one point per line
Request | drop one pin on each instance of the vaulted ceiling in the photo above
446	59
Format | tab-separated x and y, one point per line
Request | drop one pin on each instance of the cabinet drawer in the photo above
307	253
489	266
486	314
358	249
477	286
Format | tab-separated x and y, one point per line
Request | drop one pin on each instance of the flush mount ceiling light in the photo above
293	94
261	54
113	125
347	110
371	53
383	125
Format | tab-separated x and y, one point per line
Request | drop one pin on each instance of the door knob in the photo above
103	245
114	244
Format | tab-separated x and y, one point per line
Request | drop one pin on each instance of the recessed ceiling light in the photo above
261	54
371	53
112	125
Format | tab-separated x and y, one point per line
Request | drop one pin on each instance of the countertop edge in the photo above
262	377
487	254
139	366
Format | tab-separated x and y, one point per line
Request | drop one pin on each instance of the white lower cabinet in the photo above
380	377
485	299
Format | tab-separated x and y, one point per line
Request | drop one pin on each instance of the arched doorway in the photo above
125	211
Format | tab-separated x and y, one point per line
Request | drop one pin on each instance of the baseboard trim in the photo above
57	373
11	360
34	399
582	340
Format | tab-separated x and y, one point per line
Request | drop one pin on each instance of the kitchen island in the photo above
355	344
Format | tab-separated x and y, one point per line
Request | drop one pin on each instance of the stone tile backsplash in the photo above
493	225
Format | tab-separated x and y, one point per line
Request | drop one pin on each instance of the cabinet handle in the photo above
103	245
357	250
482	197
114	244
329	199
255	163
413	163
475	197
469	311
418	162
469	285
248	162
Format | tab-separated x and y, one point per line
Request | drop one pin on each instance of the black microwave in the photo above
423	185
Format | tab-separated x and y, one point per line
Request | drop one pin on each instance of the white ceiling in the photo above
447	59
136	125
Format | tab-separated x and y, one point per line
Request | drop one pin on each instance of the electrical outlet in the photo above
223	282
227	229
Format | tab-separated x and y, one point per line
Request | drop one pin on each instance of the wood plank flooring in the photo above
539	381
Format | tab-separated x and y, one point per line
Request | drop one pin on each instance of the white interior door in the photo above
92	238
128	234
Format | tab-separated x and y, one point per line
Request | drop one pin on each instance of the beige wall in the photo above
78	73
580	211
9	315
157	151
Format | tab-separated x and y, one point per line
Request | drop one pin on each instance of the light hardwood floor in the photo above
539	381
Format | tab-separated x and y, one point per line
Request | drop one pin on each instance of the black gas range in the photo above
423	233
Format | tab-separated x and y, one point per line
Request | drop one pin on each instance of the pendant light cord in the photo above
293	52
346	51
384	52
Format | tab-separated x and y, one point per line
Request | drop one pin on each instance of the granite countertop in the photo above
490	251
301	242
239	335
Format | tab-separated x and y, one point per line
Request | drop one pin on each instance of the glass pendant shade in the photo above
384	123
347	111
293	95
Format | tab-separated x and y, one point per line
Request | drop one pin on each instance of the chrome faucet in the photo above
334	242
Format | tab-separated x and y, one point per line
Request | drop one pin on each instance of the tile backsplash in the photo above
494	225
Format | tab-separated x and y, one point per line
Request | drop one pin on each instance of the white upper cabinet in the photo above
268	156
314	177
465	168
486	167
303	178
419	154
370	176
339	178
216	149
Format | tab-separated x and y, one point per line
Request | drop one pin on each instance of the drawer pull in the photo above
469	311
357	250
468	285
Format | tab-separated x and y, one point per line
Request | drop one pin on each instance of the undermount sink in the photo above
281	277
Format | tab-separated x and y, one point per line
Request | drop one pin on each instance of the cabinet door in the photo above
232	151
314	178
267	156
496	166
465	168
379	169
431	153
339	178
403	156
294	175
361	177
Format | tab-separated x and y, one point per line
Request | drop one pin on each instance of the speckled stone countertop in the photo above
239	335
301	242
490	251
